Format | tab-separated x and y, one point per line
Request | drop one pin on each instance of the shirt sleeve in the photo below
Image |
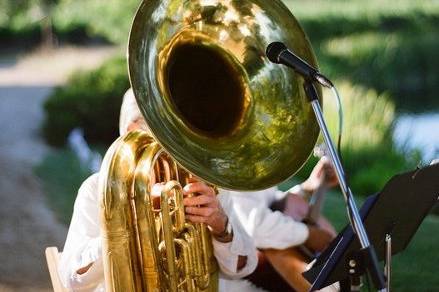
269	229
241	245
83	244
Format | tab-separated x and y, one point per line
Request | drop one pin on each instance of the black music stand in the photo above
396	211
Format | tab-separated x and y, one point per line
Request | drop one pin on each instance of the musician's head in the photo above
130	116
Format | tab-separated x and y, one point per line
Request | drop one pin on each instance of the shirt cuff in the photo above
90	279
227	254
227	259
92	252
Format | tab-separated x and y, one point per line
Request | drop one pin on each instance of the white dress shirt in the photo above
84	246
269	229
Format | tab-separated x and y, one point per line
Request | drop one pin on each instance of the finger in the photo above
330	171
205	212
319	168
198	187
198	200
328	166
196	219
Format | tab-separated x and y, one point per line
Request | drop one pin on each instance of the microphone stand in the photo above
370	257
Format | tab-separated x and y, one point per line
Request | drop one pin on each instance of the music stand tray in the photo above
397	210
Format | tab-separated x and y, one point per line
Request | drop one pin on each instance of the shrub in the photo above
91	100
403	63
369	155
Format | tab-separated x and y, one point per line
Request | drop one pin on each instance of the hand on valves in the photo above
205	208
202	206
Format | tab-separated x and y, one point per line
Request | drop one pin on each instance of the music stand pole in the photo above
353	214
388	266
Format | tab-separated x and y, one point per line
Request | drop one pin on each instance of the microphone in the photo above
278	53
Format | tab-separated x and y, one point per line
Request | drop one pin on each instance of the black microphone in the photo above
278	53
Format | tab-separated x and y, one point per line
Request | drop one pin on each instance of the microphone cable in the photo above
340	120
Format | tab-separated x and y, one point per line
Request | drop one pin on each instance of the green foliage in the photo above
22	14
71	19
10	9
19	15
326	19
91	100
369	156
405	64
389	46
110	19
367	116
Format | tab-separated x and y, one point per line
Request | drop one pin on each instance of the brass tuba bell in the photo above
212	99
215	104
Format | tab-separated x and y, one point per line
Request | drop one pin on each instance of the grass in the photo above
62	176
415	269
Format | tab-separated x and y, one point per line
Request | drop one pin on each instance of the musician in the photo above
275	232
268	228
81	266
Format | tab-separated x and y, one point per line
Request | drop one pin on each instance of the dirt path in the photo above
27	226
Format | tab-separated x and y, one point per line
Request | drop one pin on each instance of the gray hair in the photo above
129	112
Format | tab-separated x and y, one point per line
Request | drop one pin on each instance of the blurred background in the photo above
63	74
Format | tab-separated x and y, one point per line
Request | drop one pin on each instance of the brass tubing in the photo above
206	245
148	242
168	234
138	239
188	279
120	255
194	251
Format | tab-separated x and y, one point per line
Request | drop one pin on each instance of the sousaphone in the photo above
217	108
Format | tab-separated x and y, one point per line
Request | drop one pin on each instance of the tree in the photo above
48	37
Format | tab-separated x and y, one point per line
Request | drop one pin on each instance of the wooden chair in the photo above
52	258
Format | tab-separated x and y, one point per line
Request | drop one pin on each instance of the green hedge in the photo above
369	155
91	100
